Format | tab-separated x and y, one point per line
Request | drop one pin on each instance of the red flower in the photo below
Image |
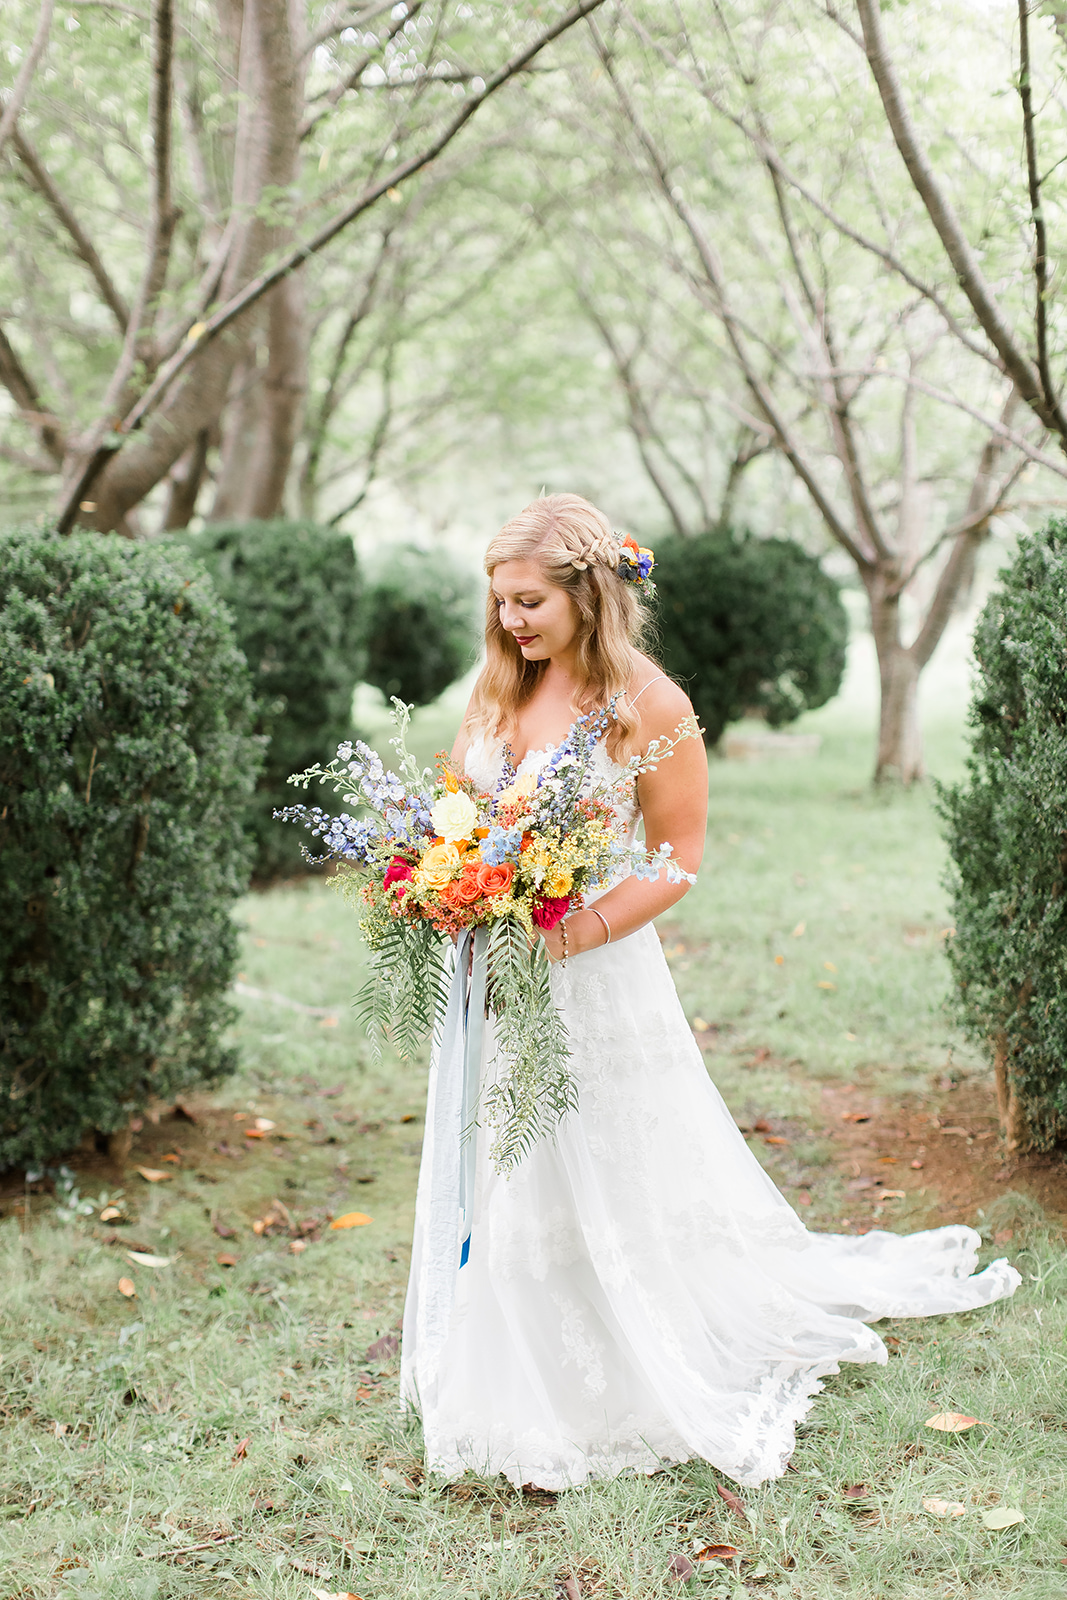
546	913
399	871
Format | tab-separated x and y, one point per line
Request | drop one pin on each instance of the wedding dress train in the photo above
638	1292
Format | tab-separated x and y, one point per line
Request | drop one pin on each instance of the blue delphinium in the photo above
501	845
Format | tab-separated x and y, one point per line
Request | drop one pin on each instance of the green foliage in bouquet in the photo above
421	633
126	760
295	593
749	625
425	854
1007	835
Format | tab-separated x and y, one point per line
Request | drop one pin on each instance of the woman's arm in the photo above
674	803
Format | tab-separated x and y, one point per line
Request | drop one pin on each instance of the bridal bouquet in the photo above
430	856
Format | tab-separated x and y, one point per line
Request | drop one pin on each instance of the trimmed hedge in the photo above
749	625
1007	836
421	634
126	759
295	593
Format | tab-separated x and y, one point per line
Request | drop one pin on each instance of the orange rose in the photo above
466	889
494	880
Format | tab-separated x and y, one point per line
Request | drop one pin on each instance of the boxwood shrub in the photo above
1007	836
295	593
126	759
749	625
421	632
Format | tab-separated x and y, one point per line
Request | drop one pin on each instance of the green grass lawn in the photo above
233	1430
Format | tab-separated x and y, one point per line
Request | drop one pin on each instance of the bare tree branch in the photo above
767	151
983	503
1037	213
357	19
83	245
971	279
708	258
23	391
342	86
106	448
17	98
377	443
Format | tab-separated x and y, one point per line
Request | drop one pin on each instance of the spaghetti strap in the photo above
660	678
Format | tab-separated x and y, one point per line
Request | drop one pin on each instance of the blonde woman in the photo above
637	1291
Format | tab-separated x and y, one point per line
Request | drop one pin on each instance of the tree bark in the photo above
1012	1121
183	486
899	758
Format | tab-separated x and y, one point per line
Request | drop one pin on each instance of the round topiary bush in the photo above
421	635
749	626
295	593
126	759
1007	836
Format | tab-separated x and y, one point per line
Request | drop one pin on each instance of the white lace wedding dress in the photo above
638	1292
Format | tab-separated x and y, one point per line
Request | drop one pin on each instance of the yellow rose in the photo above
454	816
437	867
521	789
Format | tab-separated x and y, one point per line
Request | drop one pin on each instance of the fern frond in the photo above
535	1089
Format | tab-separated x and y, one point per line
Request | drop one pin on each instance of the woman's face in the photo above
540	616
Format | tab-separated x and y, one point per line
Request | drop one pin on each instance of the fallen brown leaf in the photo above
734	1501
680	1567
953	1422
775	1138
222	1230
296	1245
855	1116
383	1349
225	1260
242	1449
153	1174
762	1126
256	1133
716	1552
175	1160
351	1219
856	1491
110	1214
568	1588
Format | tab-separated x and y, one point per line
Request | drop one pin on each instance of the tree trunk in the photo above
278	411
1012	1122
266	162
183	485
899	756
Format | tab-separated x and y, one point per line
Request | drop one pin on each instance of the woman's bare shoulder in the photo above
662	701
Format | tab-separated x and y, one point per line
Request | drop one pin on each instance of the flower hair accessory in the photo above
635	562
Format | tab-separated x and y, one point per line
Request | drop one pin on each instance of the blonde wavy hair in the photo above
573	544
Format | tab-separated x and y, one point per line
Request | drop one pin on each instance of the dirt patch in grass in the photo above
943	1150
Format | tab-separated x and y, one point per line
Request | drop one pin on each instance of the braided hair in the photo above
573	544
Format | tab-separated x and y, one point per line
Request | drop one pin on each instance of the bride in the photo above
637	1291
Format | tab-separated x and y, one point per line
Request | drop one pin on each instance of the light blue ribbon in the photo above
454	1153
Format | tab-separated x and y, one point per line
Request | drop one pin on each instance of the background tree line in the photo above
272	258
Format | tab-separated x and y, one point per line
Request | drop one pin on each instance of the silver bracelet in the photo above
607	925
